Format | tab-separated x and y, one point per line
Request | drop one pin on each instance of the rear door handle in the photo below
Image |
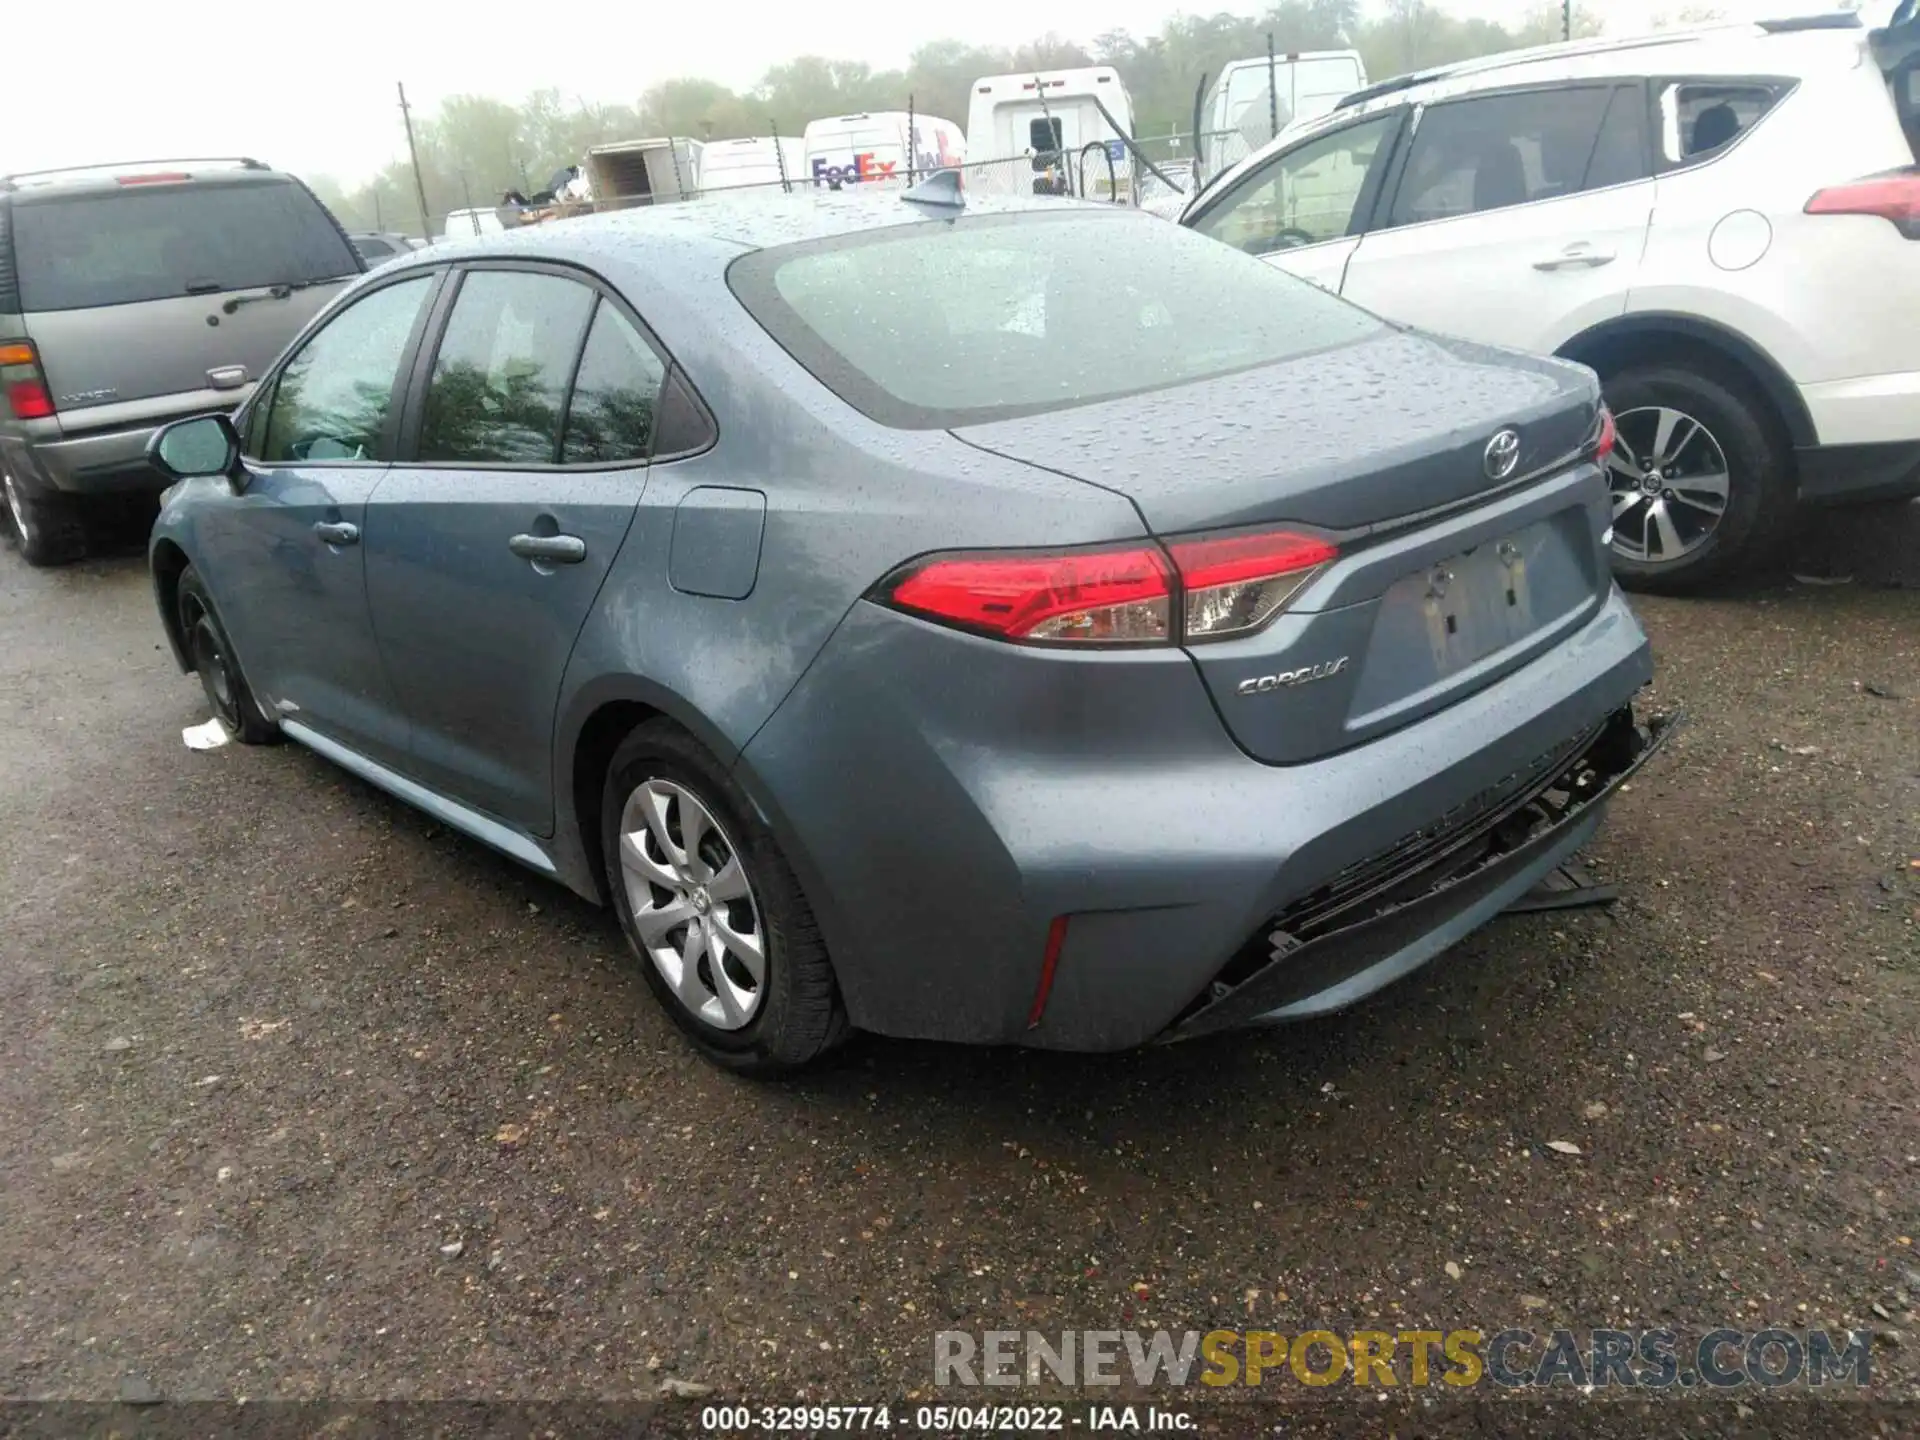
554	549
337	532
1576	257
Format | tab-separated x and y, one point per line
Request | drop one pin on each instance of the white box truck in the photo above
758	160
882	147
643	172
1248	97
1047	120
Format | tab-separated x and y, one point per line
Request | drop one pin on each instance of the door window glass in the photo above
1487	154
500	377
610	417
332	399
1699	118
1304	196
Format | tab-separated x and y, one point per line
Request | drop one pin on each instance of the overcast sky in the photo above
310	87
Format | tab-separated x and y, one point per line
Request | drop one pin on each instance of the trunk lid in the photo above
170	289
1449	575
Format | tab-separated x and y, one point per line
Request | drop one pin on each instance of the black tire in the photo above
47	527
1760	473
797	1016
211	654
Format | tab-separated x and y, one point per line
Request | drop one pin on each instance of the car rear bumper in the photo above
1853	474
944	800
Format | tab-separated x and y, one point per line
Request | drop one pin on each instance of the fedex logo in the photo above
864	167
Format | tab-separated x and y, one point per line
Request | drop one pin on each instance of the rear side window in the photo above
1699	118
154	242
930	325
1492	152
611	415
500	378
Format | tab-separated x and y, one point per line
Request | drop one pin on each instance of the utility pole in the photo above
1566	19
413	154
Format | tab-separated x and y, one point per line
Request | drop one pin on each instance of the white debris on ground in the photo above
210	736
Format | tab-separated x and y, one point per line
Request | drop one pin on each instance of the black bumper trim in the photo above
1433	889
1855	474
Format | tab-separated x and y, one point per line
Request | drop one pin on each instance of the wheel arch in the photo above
1628	339
167	563
597	718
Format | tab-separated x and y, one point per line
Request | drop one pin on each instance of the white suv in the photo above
1724	223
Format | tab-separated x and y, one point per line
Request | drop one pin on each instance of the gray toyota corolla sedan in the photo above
1011	621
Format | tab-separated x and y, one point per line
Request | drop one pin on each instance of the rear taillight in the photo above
23	382
1894	196
1102	596
1203	588
1237	583
1600	443
161	177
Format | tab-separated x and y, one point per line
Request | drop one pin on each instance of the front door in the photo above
1520	218
318	438
1303	210
486	549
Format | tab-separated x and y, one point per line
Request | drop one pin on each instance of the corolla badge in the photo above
1503	454
1261	684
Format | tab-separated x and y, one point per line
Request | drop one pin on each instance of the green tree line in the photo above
475	147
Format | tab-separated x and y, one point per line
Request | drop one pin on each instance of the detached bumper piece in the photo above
1412	900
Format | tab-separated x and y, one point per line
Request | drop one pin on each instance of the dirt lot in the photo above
306	1096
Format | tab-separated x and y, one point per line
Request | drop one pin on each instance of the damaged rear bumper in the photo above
1384	918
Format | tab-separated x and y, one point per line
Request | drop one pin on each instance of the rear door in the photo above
1304	208
165	296
1516	219
527	444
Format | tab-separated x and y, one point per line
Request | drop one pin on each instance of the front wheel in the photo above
725	938
211	652
1701	475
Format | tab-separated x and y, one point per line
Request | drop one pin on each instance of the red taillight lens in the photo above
1894	197
167	177
1604	434
22	382
1101	596
1230	585
28	399
1237	583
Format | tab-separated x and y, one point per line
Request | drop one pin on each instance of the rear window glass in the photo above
151	242
935	325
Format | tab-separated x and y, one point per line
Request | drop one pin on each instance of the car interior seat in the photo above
1500	177
1712	128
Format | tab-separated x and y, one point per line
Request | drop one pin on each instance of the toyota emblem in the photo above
1503	454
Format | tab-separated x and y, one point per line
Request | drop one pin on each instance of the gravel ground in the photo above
305	1096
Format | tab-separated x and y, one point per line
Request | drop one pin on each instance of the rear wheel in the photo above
1701	476
46	527
211	654
725	938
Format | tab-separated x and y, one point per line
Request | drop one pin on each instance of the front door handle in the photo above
1576	257
553	549
337	532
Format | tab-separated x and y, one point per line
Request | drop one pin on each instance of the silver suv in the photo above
132	295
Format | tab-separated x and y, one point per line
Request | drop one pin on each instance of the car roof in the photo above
728	225
68	179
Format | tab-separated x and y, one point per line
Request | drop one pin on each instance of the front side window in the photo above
1699	118
1304	196
924	325
1470	156
331	400
500	378
611	414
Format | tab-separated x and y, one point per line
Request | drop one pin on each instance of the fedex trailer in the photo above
1048	120
887	146
758	160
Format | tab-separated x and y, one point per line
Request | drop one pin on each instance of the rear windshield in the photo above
150	242
938	325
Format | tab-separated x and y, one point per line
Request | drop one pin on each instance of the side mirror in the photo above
204	445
